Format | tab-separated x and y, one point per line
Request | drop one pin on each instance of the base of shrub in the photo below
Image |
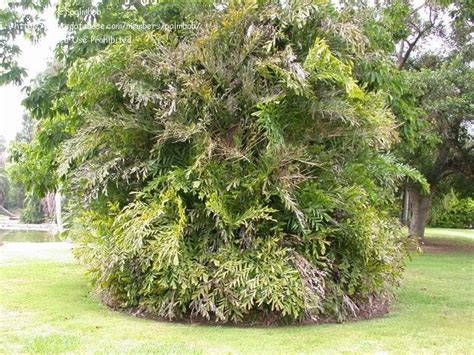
375	307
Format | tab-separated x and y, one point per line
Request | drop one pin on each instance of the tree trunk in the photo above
405	205
48	203
57	204
6	212
420	206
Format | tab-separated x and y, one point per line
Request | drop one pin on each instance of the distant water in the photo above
28	236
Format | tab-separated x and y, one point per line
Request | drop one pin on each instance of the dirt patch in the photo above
446	246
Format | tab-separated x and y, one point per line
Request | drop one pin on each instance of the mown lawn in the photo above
46	307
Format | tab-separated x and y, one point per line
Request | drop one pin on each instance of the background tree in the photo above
440	88
19	197
434	120
4	183
444	151
17	193
18	18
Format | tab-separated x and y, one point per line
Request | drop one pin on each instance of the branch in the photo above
421	32
416	9
411	46
6	212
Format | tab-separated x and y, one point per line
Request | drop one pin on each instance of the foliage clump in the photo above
237	172
452	211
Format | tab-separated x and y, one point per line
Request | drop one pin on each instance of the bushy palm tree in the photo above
233	171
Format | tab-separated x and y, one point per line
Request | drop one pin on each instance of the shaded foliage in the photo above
32	211
451	211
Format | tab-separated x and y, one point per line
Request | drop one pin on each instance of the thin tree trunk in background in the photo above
420	206
57	200
48	203
406	205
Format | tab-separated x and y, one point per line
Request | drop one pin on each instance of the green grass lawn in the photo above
450	233
46	306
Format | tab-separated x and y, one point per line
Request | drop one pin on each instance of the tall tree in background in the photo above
4	183
429	81
17	193
439	86
20	197
444	150
19	18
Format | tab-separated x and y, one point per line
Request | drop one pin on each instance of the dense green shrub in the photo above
450	211
15	197
32	211
233	172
